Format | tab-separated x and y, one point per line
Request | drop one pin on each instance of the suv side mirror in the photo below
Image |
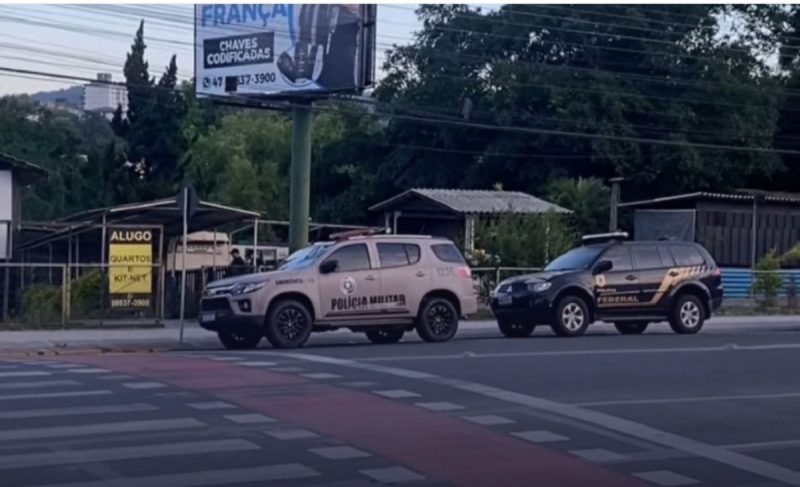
602	266
328	266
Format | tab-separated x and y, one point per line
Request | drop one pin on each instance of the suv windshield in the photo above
305	257
580	258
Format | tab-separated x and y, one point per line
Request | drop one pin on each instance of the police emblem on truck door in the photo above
347	285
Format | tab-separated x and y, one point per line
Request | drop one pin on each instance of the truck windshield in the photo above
306	257
580	258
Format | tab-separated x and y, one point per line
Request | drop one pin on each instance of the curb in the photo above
78	351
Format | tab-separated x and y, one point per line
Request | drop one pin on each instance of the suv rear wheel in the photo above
571	317
513	329
631	328
688	315
289	324
240	339
437	320
389	335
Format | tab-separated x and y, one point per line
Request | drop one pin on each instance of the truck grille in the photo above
215	304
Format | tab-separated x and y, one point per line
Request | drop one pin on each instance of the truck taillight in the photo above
464	272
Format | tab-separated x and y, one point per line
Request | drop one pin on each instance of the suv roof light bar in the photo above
353	233
604	237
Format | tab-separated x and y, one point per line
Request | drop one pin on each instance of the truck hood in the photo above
248	278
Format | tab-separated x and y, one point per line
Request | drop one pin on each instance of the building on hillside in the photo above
737	228
104	96
452	213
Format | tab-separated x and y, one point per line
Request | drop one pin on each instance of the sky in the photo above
83	40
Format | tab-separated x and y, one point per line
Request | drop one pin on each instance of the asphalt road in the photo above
720	408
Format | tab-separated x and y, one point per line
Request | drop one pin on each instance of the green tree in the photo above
588	198
524	240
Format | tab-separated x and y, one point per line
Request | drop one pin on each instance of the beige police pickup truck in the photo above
383	285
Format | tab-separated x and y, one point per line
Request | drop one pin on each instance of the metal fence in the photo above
487	278
57	295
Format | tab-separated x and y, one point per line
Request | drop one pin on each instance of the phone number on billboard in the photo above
241	80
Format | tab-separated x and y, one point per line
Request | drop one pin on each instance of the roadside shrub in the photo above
41	305
86	294
524	240
767	282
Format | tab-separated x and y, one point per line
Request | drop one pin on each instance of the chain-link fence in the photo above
58	295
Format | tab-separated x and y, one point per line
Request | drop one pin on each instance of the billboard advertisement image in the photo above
271	49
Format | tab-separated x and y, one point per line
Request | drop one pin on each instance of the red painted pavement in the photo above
434	444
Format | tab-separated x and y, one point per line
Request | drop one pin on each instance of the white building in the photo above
102	96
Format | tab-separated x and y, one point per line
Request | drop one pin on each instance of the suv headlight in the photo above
538	287
250	287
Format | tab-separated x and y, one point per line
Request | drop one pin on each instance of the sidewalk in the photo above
195	338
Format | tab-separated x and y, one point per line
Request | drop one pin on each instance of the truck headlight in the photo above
247	288
538	287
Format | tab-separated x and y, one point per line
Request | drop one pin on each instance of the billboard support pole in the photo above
300	177
185	196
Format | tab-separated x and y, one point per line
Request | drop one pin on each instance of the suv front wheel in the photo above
437	320
571	317
688	315
289	324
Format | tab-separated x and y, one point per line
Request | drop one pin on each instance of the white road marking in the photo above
229	476
288	369
143	385
665	478
226	359
322	375
257	364
360	384
76	411
396	393
291	434
24	373
53	395
599	455
541	436
559	353
88	371
689	399
612	423
36	384
100	428
439	406
339	452
250	418
764	445
488	420
207	406
26	460
392	475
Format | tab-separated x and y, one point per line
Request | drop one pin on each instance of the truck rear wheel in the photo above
289	324
437	321
688	315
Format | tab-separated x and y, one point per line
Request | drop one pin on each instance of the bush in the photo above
524	240
86	293
41	305
767	282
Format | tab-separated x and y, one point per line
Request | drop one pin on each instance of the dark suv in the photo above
631	284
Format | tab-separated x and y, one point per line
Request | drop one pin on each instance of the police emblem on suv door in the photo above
347	285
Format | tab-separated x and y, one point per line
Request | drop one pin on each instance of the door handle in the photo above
630	277
420	274
370	278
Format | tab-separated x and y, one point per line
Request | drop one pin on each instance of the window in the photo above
619	257
397	254
351	258
687	255
666	256
647	257
580	258
448	253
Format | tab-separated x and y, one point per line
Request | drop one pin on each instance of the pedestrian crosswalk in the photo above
66	425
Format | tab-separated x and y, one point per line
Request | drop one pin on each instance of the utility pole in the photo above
613	224
300	176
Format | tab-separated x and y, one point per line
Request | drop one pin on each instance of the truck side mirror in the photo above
602	266
328	266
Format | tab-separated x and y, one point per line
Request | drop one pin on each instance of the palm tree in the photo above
588	198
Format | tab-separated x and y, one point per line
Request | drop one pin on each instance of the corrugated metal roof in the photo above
27	172
479	201
745	195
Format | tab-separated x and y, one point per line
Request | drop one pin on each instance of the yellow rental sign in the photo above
130	273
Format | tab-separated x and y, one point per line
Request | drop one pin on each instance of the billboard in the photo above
130	268
283	48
